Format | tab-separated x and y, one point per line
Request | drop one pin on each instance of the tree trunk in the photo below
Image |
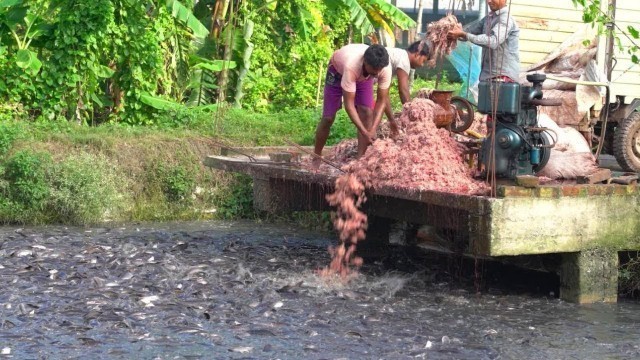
218	17
246	62
229	33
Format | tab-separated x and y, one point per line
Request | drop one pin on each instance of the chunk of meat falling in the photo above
349	222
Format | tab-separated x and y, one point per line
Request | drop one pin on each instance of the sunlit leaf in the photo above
158	103
8	3
633	31
394	15
27	59
104	71
183	14
378	21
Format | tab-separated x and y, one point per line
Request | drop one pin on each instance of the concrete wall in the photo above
554	223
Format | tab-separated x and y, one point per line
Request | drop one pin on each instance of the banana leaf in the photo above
183	14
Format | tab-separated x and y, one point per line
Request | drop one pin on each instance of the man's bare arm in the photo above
403	86
350	107
382	99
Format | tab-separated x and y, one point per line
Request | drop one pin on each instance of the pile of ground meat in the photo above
422	157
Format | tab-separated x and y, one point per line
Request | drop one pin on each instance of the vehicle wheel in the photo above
608	140
626	143
607	147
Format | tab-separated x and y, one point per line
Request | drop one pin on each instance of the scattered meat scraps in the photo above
437	37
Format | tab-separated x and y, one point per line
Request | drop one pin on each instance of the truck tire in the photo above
609	139
626	143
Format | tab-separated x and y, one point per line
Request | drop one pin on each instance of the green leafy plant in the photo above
25	179
9	132
369	15
237	201
84	189
593	14
25	24
177	182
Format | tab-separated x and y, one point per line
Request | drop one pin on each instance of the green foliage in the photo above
242	127
128	61
84	189
9	132
77	63
24	185
592	14
81	189
184	14
237	200
137	57
368	15
291	54
178	183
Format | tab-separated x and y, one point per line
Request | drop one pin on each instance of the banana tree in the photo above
187	34
369	15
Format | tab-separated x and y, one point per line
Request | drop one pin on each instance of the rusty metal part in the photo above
465	115
314	155
546	102
443	113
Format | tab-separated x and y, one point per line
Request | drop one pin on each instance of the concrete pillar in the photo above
589	276
263	197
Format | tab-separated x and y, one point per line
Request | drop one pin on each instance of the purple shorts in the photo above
333	93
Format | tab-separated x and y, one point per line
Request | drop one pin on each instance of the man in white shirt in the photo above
401	62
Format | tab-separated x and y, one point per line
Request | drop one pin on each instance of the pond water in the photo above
246	290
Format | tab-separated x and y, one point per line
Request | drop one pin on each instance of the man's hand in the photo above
371	136
456	34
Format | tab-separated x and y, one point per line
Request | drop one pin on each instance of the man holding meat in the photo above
350	75
497	34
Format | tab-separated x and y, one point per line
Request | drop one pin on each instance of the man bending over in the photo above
350	75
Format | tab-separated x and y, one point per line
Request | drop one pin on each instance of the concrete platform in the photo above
587	224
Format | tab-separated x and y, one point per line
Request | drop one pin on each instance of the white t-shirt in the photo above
398	59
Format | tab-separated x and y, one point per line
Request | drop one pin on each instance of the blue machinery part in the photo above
519	146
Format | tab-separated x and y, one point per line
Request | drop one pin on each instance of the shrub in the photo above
84	190
237	200
9	132
25	176
178	183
